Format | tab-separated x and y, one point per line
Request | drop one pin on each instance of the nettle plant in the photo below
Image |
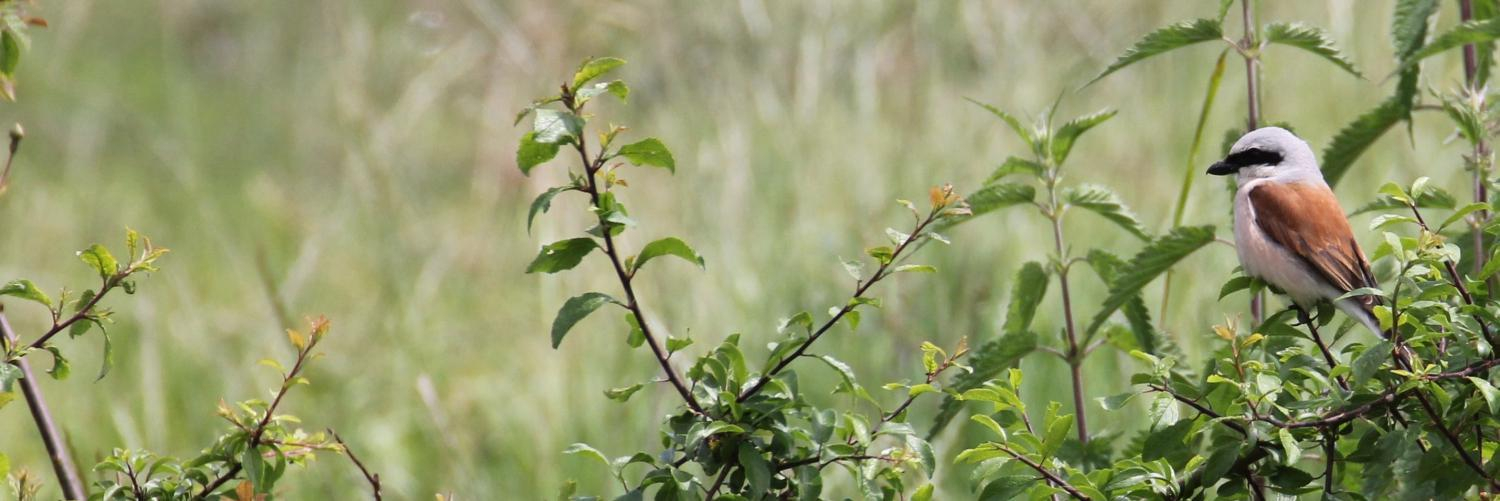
1049	149
745	430
1279	408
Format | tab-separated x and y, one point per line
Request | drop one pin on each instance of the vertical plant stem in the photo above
1190	172
1481	149
57	450
591	167
1075	356
1251	53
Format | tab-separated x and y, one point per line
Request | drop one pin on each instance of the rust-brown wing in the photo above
1306	220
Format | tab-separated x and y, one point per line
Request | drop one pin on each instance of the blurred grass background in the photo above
364	150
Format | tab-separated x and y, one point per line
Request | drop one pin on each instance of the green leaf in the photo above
1057	432
575	309
651	152
995	197
99	258
1472	32
1117	402
676	344
27	290
1166	39
592	68
1310	39
60	366
1191	167
531	154
555	127
107	360
670	246
1491	395
757	470
562	255
1431	197
922	268
1409	26
1236	284
1289	445
1147	264
1015	125
923	493
1355	138
1104	202
10	53
1026	293
1370	360
1219	462
1063	139
587	451
1462	212
616	88
988	360
622	394
543	203
1015	165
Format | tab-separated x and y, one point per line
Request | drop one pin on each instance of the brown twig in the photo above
1481	149
287	382
859	291
1252	115
1051	477
591	168
372	478
57	450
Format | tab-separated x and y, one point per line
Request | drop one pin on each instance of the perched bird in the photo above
1289	229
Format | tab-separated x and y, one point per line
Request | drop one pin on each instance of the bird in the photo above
1289	229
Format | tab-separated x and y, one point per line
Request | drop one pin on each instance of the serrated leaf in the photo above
1015	125
1472	32
1057	432
1166	39
649	152
542	204
592	68
1102	201
562	255
1026	293
1355	138
27	290
1311	39
670	246
1063	139
577	308
994	197
1147	264
1015	165
531	154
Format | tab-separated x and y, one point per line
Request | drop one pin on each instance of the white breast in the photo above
1263	258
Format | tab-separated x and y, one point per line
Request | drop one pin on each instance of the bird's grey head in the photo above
1268	152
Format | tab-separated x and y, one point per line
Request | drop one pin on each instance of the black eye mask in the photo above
1253	156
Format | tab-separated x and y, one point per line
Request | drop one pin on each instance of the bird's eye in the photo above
1253	156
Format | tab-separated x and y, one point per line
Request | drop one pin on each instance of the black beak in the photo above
1222	169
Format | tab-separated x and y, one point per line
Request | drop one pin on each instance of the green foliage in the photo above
744	431
1149	263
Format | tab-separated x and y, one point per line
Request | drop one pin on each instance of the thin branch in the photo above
859	291
57	450
1455	278
591	168
287	382
1051	477
372	478
1252	118
1481	150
